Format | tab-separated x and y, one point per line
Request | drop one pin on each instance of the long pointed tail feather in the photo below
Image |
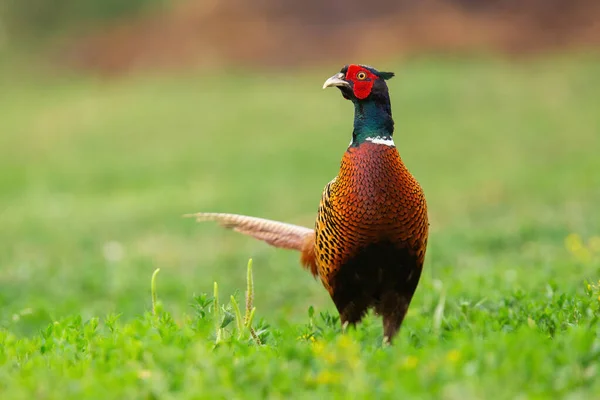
278	234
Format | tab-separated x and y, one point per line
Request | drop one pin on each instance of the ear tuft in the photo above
386	75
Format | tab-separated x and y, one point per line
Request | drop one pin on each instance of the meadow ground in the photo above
95	175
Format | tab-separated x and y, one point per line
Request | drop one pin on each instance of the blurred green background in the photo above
118	117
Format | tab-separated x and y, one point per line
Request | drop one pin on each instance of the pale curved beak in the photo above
336	80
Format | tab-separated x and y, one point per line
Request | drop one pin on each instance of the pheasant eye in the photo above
361	76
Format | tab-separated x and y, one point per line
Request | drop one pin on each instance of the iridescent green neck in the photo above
372	121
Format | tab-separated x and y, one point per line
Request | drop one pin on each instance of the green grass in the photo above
95	175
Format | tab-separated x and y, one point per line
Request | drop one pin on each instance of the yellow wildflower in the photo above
453	356
573	243
327	377
411	362
318	347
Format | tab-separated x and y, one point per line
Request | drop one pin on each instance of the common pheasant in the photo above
370	235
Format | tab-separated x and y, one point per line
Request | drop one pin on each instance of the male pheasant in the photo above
370	236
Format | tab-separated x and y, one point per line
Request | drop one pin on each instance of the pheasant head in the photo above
367	89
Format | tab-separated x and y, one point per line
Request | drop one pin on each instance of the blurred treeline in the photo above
37	19
118	36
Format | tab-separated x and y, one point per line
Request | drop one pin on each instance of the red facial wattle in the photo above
362	87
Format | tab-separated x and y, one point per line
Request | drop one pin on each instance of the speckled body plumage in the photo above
370	237
371	233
